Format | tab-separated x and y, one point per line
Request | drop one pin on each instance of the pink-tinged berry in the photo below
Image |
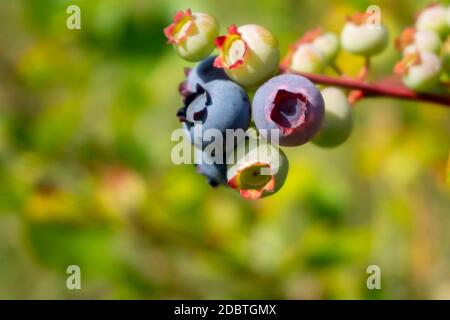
420	70
192	34
258	169
434	18
422	40
362	38
249	54
290	106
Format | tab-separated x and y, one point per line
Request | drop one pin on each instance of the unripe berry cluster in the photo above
288	109
424	49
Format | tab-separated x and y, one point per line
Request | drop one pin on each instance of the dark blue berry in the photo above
219	104
203	73
215	173
290	104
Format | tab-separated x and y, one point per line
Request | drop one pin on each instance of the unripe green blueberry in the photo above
312	52
420	70
249	54
328	44
428	41
412	40
434	18
307	58
361	38
192	34
338	121
257	169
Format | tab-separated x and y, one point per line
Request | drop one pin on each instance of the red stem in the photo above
378	89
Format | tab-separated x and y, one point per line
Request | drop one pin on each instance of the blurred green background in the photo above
86	177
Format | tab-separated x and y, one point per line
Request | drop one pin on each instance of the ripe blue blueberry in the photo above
215	173
203	73
290	104
219	105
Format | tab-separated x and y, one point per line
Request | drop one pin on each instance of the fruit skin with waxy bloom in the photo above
420	71
337	124
290	104
192	34
220	105
258	168
203	73
434	18
249	54
361	38
213	171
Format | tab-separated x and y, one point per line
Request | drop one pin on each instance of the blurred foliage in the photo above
86	176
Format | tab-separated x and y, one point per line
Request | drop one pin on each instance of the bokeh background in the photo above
86	177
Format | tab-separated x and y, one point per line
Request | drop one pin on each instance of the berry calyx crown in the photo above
359	18
248	188
179	29
412	59
405	39
230	56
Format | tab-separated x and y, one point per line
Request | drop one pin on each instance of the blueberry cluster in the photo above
288	110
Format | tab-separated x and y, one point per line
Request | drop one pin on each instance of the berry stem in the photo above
364	73
379	89
354	96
